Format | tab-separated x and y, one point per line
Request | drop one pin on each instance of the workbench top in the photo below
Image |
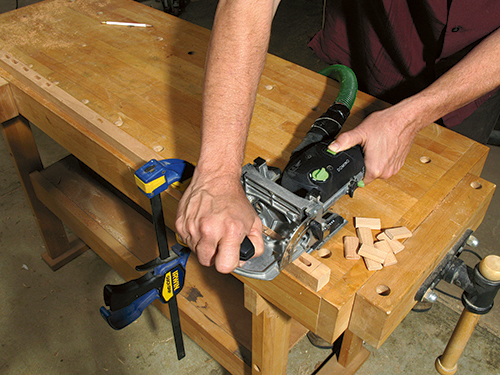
116	97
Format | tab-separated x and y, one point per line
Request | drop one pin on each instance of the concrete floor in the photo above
50	322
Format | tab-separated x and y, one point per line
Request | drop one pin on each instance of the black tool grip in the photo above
246	250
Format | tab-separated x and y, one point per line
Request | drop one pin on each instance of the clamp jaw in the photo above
479	291
155	176
127	301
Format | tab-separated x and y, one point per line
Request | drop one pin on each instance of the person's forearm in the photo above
235	61
387	135
474	76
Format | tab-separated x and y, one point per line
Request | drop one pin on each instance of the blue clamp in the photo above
165	274
127	301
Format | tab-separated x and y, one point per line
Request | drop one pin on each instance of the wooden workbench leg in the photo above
270	335
352	350
21	143
351	357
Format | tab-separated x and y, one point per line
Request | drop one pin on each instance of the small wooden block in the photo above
310	271
396	246
371	265
367	222
398	233
383	246
382	237
365	235
390	258
351	245
371	252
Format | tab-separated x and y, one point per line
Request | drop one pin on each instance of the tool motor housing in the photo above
319	168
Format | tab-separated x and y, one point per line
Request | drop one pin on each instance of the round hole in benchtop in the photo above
383	290
324	253
476	185
425	160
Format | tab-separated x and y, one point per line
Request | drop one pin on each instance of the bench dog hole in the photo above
383	290
476	185
324	253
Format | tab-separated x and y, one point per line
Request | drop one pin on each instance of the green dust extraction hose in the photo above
328	125
348	83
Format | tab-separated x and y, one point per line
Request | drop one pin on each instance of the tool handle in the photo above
446	364
489	269
247	250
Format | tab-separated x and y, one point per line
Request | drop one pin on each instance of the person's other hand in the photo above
386	137
213	218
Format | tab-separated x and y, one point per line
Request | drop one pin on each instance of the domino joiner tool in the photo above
294	206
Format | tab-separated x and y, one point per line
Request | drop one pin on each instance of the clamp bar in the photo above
159	224
176	327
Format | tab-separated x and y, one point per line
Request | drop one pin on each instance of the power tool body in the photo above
294	206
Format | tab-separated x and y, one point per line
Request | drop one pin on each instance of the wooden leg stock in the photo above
447	363
351	357
22	147
270	335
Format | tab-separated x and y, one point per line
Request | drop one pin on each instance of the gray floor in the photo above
50	323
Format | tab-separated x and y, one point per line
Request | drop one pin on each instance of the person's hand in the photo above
213	217
386	137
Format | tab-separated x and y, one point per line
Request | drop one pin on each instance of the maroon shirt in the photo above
397	48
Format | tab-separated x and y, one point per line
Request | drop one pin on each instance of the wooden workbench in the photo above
116	97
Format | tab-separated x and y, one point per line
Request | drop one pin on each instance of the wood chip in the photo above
396	246
391	260
382	237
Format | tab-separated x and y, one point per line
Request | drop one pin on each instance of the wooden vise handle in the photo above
446	364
